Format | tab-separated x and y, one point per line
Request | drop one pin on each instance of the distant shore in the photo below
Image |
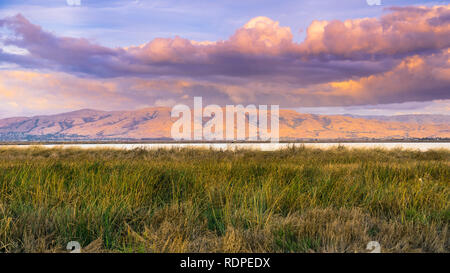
299	141
261	146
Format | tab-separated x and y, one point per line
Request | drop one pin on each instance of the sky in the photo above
324	57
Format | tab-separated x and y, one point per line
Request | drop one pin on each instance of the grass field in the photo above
294	200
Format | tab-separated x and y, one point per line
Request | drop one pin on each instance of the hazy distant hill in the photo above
155	123
421	119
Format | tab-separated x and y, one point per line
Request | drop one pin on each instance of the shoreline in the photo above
267	146
113	142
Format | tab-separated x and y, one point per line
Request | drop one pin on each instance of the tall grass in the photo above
186	200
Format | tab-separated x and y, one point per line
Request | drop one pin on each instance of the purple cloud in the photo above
399	57
261	48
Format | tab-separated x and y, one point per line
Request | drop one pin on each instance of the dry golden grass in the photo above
295	200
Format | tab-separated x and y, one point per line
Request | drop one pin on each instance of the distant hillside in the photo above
155	123
420	119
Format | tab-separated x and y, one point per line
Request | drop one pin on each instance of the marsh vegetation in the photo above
195	200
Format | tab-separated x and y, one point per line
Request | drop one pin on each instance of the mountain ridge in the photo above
409	118
156	122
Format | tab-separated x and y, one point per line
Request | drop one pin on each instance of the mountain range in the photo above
155	123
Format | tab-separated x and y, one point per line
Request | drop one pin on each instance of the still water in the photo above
422	146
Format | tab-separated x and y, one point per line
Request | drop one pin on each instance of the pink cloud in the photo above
357	61
404	31
260	47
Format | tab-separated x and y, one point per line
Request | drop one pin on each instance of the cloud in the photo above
402	56
435	107
415	78
405	31
261	47
47	50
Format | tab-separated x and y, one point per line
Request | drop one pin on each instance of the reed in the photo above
193	200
